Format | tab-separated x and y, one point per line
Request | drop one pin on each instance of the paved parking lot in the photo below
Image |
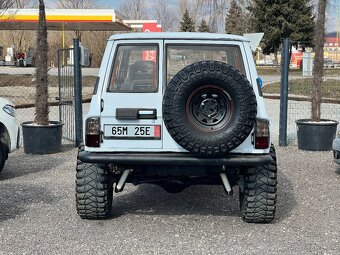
38	215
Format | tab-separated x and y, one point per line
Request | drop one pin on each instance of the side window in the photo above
135	69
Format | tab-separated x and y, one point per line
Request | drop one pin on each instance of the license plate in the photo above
152	132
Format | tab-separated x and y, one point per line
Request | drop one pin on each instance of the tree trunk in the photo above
319	40
41	97
277	68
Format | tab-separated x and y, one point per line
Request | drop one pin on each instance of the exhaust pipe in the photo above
122	180
226	183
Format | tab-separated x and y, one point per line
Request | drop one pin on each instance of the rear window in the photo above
180	56
135	69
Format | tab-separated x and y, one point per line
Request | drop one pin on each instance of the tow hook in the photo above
121	183
226	184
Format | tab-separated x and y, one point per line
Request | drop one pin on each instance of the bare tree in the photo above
5	4
76	4
213	11
194	8
244	4
133	9
21	4
216	11
21	39
164	14
96	43
41	97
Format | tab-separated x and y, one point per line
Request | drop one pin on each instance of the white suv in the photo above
9	131
177	109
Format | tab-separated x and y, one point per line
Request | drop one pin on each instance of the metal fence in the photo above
66	96
70	92
18	85
302	110
299	91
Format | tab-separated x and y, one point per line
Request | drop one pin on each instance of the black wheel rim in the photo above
209	108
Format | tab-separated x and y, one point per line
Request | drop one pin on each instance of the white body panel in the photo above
154	100
10	124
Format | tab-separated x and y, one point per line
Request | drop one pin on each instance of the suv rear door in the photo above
132	97
180	53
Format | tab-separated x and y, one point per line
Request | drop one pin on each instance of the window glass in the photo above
180	56
135	69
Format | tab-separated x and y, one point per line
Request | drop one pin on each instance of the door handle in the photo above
147	114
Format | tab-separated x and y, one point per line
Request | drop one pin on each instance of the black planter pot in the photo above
42	139
316	136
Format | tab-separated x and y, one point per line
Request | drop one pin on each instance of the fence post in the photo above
59	83
78	112
285	59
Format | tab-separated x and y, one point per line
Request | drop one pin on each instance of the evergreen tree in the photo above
280	19
203	27
235	20
187	24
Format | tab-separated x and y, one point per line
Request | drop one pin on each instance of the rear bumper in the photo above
18	139
173	159
15	139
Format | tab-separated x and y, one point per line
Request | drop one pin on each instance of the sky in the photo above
114	4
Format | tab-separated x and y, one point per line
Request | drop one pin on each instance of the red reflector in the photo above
92	140
157	131
261	142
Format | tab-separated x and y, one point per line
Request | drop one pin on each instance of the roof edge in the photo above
178	35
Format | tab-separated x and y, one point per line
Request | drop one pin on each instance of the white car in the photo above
9	131
177	109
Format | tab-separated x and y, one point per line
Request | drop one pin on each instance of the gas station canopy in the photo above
64	19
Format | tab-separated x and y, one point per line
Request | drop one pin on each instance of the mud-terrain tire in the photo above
94	191
3	155
209	108
258	199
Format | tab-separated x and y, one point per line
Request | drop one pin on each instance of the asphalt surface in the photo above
38	215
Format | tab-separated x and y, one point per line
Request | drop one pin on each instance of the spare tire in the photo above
209	108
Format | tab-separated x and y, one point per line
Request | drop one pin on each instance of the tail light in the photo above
92	132
262	134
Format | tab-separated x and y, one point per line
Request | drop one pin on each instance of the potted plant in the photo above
317	134
41	135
